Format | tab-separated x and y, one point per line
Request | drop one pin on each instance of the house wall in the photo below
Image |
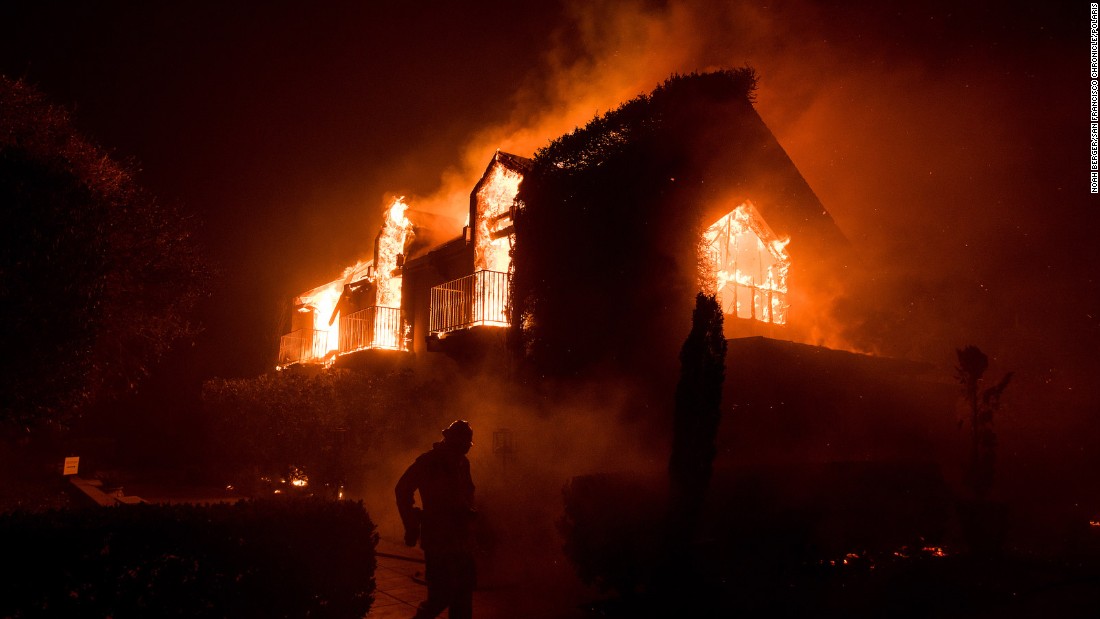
785	402
449	261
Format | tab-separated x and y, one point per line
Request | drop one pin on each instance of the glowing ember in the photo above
297	477
1094	523
747	266
934	551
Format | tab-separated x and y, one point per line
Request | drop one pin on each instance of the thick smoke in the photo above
939	139
918	147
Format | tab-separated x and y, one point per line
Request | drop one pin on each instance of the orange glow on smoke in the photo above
747	266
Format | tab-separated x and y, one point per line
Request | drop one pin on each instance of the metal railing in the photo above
303	346
373	327
476	300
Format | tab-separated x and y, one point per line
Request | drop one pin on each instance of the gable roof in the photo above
610	216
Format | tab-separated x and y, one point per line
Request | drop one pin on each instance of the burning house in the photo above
454	290
584	261
612	230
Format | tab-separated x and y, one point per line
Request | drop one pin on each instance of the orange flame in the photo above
391	246
494	220
384	272
747	266
321	302
934	551
493	240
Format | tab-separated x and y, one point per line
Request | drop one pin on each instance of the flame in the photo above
321	302
297	477
934	551
747	265
494	219
493	240
392	238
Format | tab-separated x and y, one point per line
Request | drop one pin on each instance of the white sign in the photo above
71	464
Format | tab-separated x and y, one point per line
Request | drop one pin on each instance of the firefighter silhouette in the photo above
444	523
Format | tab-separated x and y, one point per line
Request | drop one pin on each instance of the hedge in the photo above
271	558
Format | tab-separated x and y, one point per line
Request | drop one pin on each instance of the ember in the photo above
934	551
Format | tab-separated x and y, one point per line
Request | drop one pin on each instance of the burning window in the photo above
746	266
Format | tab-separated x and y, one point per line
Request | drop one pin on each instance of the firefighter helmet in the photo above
459	432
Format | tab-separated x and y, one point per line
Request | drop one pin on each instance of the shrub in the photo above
338	426
289	558
612	528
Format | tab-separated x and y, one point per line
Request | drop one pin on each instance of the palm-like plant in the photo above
981	404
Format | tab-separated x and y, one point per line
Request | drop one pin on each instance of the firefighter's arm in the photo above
410	514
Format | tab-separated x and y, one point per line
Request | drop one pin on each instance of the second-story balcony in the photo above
476	300
303	346
372	328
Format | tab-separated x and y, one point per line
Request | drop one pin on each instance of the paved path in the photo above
399	580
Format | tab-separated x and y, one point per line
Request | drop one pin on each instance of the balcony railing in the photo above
374	327
303	346
476	300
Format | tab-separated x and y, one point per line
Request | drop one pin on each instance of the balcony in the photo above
476	300
372	328
303	346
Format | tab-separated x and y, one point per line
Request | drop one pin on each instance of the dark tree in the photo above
96	277
981	404
696	417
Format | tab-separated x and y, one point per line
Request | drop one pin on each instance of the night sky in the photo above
950	143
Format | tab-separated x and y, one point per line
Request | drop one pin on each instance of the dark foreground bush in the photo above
766	520
290	558
612	528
